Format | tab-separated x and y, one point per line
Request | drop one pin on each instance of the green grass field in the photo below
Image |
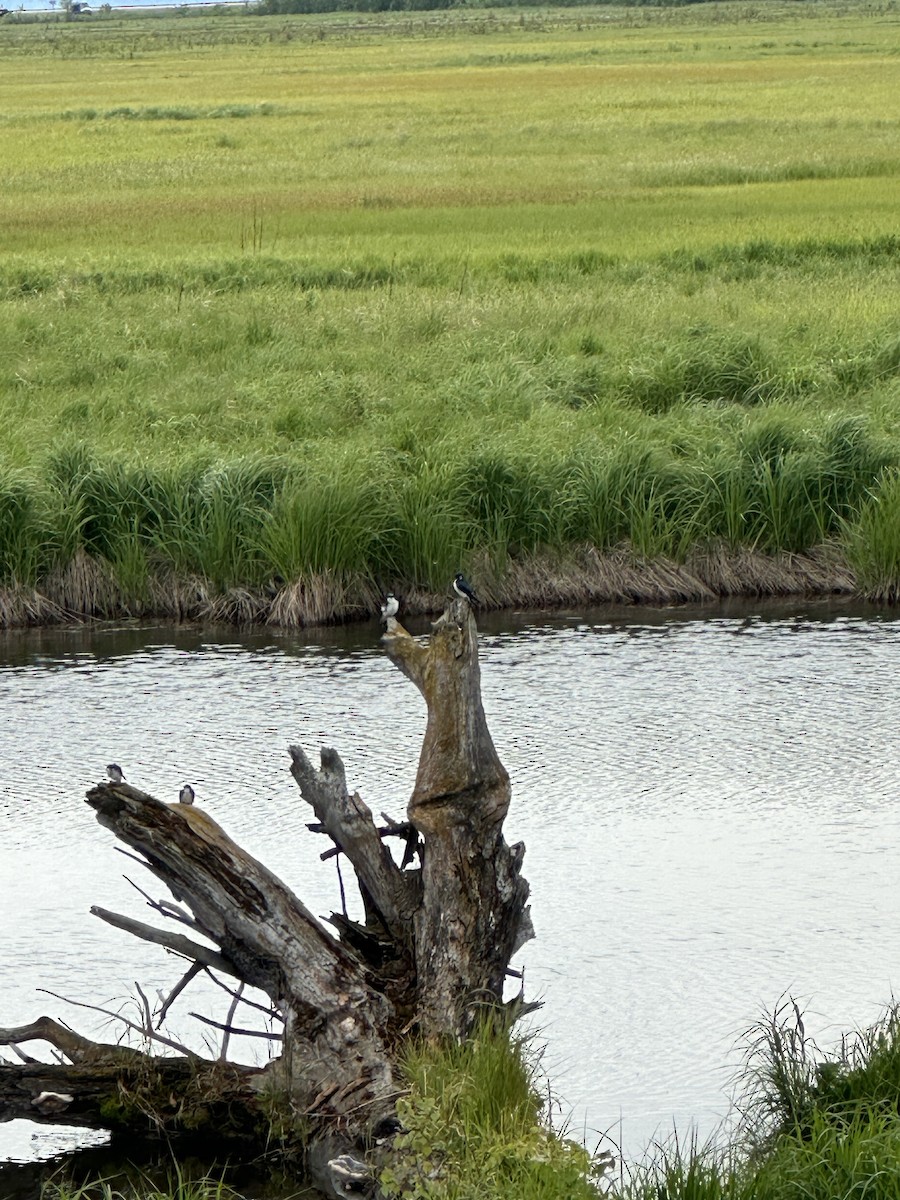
372	296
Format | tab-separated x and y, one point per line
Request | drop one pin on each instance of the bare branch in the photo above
263	1008
348	821
337	863
107	1012
148	1016
21	1055
45	1029
176	942
166	907
258	1033
223	1053
134	857
191	973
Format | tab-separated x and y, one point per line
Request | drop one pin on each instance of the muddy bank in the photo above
87	589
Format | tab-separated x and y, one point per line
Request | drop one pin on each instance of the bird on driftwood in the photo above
464	589
186	795
114	771
391	606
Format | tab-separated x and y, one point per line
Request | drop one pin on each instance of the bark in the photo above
472	916
433	949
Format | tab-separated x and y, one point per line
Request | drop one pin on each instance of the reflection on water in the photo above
141	1168
708	803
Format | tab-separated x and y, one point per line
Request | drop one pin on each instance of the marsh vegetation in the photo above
300	308
816	1126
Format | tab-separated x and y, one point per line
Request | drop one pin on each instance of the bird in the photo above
114	771
387	1128
464	589
186	795
391	607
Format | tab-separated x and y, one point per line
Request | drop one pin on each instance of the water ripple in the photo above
708	805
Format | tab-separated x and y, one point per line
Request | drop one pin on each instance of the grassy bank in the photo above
595	303
270	538
475	1129
815	1126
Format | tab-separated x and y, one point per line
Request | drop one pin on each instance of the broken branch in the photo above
176	942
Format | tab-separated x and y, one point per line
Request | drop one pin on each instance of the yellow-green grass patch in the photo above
407	243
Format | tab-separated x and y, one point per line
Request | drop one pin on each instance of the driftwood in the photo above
432	952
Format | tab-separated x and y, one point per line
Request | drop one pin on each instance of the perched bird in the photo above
387	1128
391	606
186	795
464	589
114	771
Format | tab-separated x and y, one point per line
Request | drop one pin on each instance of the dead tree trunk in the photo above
440	928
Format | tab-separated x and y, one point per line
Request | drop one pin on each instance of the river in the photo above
708	799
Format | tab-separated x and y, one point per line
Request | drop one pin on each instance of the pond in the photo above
708	799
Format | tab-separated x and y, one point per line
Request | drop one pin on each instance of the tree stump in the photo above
440	927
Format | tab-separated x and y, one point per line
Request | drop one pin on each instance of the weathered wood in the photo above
334	1024
388	893
136	1094
176	942
473	910
434	945
460	777
73	1045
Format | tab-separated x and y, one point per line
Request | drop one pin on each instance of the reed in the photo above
873	541
687	1170
264	538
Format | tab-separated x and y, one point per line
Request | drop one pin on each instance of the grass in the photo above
97	537
473	1129
298	308
179	1185
817	1126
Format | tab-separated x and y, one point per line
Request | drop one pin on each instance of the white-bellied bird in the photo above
464	589
391	606
186	795
114	771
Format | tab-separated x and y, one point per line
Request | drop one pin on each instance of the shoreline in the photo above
86	589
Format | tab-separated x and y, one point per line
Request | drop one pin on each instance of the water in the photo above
708	801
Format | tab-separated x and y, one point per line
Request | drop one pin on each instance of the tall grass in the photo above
179	1184
474	1130
873	541
274	393
817	1125
98	536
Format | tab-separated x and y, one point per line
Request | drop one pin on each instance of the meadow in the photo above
596	303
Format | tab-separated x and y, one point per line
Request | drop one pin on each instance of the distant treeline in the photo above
276	7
